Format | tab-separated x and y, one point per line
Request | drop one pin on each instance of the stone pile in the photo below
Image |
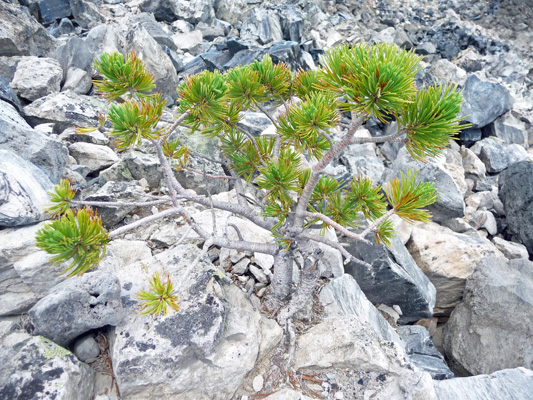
459	285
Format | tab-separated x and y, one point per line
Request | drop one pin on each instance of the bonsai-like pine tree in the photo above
288	165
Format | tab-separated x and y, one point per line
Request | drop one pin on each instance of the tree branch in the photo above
379	139
121	203
337	226
378	221
143	221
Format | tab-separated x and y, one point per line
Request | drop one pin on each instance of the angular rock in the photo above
52	10
516	194
76	306
263	26
93	156
8	95
202	352
145	166
484	101
23	191
497	155
148	22
292	22
506	384
508	128
448	259
193	11
36	368
421	351
189	41
65	110
37	77
472	164
77	53
65	27
450	203
362	159
481	336
77	81
394	278
253	123
22	35
232	11
510	250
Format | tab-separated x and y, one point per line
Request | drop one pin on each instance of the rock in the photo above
148	22
450	203
245	57
484	219
232	11
481	337
342	297
242	266
426	48
174	58
23	191
497	155
508	128
394	278
36	368
362	159
193	11
510	250
202	352
16	135
76	306
129	251
472	165
77	53
421	351
8	95
447	72
37	77
189	41
253	123
26	275
263	26
470	136
94	156
86	348
484	102
52	10
210	33
292	22
448	259
77	81
143	165
65	110
65	27
22	35
115	191
509	384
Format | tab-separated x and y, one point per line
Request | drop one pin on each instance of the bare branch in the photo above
177	123
143	221
197	155
236	228
337	226
378	221
379	139
328	138
264	111
164	200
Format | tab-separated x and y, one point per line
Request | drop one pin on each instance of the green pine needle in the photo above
385	232
160	296
369	199
60	197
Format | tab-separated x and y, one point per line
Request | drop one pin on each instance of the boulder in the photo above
52	10
232	11
21	34
95	157
497	155
516	194
192	11
253	123
481	336
8	95
448	259
36	368
76	306
262	26
362	159
26	275
37	77
77	53
510	129
393	279
205	350
65	110
450	203
23	191
17	136
189	41
484	101
510	250
77	81
421	351
148	22
506	384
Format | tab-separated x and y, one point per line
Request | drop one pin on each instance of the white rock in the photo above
257	383
511	250
37	77
94	156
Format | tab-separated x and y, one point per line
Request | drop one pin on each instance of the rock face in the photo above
484	101
202	352
16	135
37	77
516	193
76	306
482	336
21	35
506	384
394	279
36	368
23	191
448	259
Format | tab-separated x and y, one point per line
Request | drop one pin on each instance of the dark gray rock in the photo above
470	136
516	194
426	48
22	35
292	22
481	336
52	10
193	67
421	351
36	368
192	11
245	57
394	279
76	306
64	28
509	129
16	135
23	191
215	59
516	384
8	95
484	101
174	58
236	44
262	26
497	155
76	52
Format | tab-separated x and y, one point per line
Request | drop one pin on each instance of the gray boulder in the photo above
481	336
95	157
450	203
421	351
516	194
145	166
23	191
192	11
232	11
17	136
393	279
510	129
77	81
76	306
362	159
21	34
497	155
8	95
36	368
76	53
148	22
65	110
510	384
253	123
484	101
51	10
262	26
37	77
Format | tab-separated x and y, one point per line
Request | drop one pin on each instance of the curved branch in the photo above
337	226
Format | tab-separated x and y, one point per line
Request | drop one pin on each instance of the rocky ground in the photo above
444	313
